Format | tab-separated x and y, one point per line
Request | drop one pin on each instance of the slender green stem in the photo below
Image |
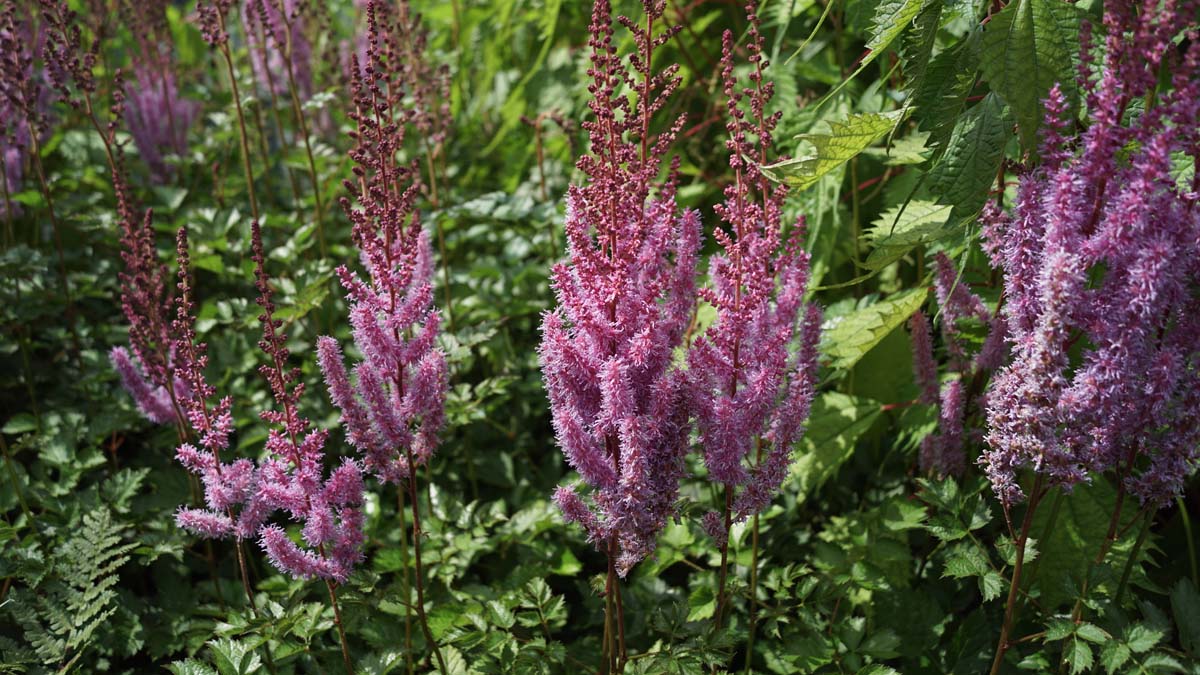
1191	540
337	620
1133	555
1010	605
419	576
753	594
244	137
405	584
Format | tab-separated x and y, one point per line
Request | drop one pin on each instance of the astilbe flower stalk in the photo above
944	453
147	368
625	295
1101	269
232	508
275	33
17	85
1127	402
752	374
157	116
292	477
210	16
394	409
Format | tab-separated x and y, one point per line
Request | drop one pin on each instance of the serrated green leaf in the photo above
916	47
19	424
1113	655
968	167
991	585
949	78
890	20
835	424
902	228
878	669
191	667
1078	656
963	561
1058	629
846	339
1028	47
1092	633
1141	637
846	138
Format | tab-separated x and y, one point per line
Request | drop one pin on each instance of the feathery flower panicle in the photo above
625	295
752	375
274	30
395	408
1101	268
943	453
24	98
229	489
292	478
231	506
158	118
147	369
68	63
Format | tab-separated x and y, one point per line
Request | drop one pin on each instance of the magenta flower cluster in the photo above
241	496
944	453
752	375
1101	267
625	297
395	408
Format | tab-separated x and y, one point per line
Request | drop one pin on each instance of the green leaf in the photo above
1092	633
1058	629
1113	655
965	560
835	424
1185	605
991	585
967	169
233	657
1028	47
844	141
878	669
702	603
902	228
1141	638
1078	655
890	20
19	424
191	667
917	46
846	339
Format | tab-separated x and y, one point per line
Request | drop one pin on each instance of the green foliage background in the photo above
900	119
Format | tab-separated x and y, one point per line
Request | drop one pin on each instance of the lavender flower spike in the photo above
292	479
394	409
1101	265
625	296
752	375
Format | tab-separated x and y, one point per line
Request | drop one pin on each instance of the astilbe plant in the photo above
1101	268
625	295
147	368
211	18
752	374
276	39
944	453
22	103
394	409
157	116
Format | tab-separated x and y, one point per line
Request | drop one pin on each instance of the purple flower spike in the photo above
752	375
1100	261
625	296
